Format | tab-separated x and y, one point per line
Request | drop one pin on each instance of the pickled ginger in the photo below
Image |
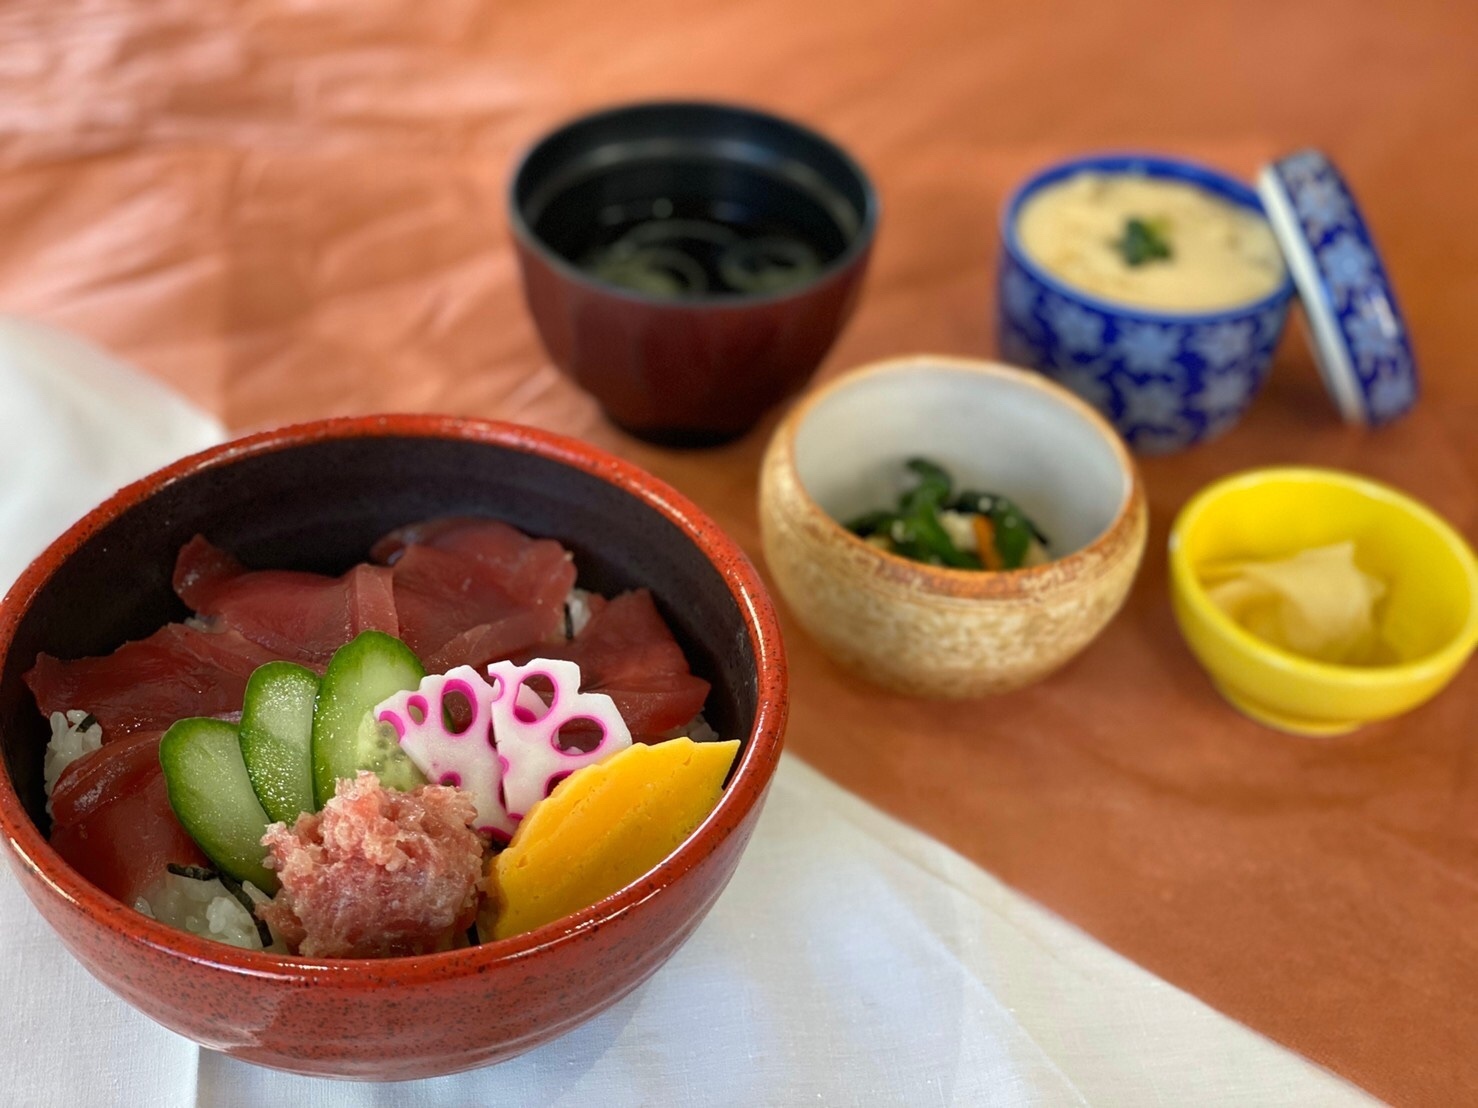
1317	603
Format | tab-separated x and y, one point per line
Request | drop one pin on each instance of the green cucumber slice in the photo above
277	738
346	737
211	794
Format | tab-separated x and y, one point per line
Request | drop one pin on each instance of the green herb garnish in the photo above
1144	240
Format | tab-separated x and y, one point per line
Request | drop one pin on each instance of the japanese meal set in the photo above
480	719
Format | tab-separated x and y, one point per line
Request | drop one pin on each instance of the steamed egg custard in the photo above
1150	242
1318	603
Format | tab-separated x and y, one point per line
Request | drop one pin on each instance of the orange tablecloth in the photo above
295	209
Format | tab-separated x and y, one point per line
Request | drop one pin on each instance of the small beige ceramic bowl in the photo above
927	630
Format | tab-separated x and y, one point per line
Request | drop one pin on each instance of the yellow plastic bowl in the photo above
1429	617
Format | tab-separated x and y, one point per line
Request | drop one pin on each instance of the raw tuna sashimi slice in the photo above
200	569
532	571
478	592
146	685
627	652
453	613
112	821
489	540
421	533
300	617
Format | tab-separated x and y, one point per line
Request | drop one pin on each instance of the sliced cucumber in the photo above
346	737
277	738
211	794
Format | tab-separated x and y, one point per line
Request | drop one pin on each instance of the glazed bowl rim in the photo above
745	790
1188	587
837	269
967	584
1164	166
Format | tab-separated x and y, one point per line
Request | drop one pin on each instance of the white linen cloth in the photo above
852	961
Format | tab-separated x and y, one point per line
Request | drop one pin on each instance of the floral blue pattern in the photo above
1078	329
1270	324
1373	338
1019	297
1165	381
1164	385
1303	168
1322	205
1154	404
1347	265
1148	347
1225	392
1354	289
1084	381
1392	394
1224	344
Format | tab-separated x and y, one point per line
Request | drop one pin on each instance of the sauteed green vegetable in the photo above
968	529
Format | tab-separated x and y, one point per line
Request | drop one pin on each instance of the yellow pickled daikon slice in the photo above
603	827
1317	603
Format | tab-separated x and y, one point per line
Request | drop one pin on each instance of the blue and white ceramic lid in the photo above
1360	338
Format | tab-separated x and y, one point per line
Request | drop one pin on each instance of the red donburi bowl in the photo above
314	497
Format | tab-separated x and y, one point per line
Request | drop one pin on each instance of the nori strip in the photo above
232	886
194	873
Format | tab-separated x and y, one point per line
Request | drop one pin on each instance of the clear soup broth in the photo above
701	228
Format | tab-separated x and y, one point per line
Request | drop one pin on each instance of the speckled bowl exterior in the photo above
1165	380
314	497
932	631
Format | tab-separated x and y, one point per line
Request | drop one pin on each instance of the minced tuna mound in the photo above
377	873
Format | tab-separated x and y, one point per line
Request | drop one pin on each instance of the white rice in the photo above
205	908
577	610
696	729
69	741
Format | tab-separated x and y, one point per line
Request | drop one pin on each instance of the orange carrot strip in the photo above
985	538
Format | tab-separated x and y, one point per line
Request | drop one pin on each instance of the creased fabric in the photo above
850	961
